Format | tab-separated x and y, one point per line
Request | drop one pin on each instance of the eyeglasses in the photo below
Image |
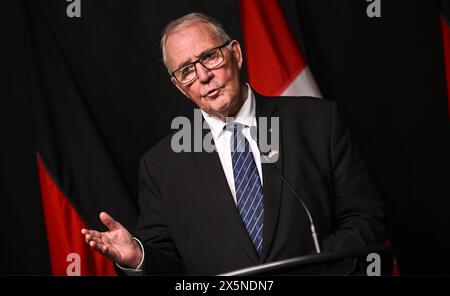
210	60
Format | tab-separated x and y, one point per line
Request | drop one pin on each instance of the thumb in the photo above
109	222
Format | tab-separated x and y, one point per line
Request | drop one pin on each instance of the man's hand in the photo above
116	243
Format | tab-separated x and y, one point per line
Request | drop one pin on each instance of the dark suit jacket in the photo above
190	224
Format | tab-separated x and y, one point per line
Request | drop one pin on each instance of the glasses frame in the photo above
198	61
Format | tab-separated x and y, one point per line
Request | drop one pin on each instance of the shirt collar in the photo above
245	116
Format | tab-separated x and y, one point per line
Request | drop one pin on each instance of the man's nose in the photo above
203	73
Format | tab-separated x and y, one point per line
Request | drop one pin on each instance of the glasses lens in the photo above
185	74
212	58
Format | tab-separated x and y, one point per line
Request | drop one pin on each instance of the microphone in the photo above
311	221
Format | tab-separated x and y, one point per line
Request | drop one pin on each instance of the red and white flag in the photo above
275	64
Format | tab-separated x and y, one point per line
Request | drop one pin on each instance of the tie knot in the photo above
238	141
235	127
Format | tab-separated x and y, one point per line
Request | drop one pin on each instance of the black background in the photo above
386	72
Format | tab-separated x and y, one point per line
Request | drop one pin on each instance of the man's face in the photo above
218	91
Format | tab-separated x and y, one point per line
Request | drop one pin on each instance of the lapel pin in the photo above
272	153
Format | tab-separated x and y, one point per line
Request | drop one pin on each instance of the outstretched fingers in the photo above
98	246
91	234
101	241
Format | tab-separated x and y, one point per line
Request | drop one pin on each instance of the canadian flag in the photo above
275	64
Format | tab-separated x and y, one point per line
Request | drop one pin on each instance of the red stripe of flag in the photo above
446	44
395	267
274	61
63	224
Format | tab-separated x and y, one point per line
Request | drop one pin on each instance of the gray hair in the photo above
186	21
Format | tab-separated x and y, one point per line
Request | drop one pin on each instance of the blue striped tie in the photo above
249	194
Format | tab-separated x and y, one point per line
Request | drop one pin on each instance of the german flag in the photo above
78	176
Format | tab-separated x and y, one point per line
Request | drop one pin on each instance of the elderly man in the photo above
212	212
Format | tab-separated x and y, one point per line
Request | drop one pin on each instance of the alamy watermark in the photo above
74	8
374	8
374	267
196	136
74	266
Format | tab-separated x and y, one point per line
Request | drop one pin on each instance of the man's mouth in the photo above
212	93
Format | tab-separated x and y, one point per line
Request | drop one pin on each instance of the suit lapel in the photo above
271	179
213	176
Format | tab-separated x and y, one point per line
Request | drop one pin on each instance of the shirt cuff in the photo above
138	269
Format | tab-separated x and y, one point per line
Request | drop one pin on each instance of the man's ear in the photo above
175	82
237	52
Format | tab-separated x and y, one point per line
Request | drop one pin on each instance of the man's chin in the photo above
218	103
218	109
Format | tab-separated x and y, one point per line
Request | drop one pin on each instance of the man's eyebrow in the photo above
185	63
